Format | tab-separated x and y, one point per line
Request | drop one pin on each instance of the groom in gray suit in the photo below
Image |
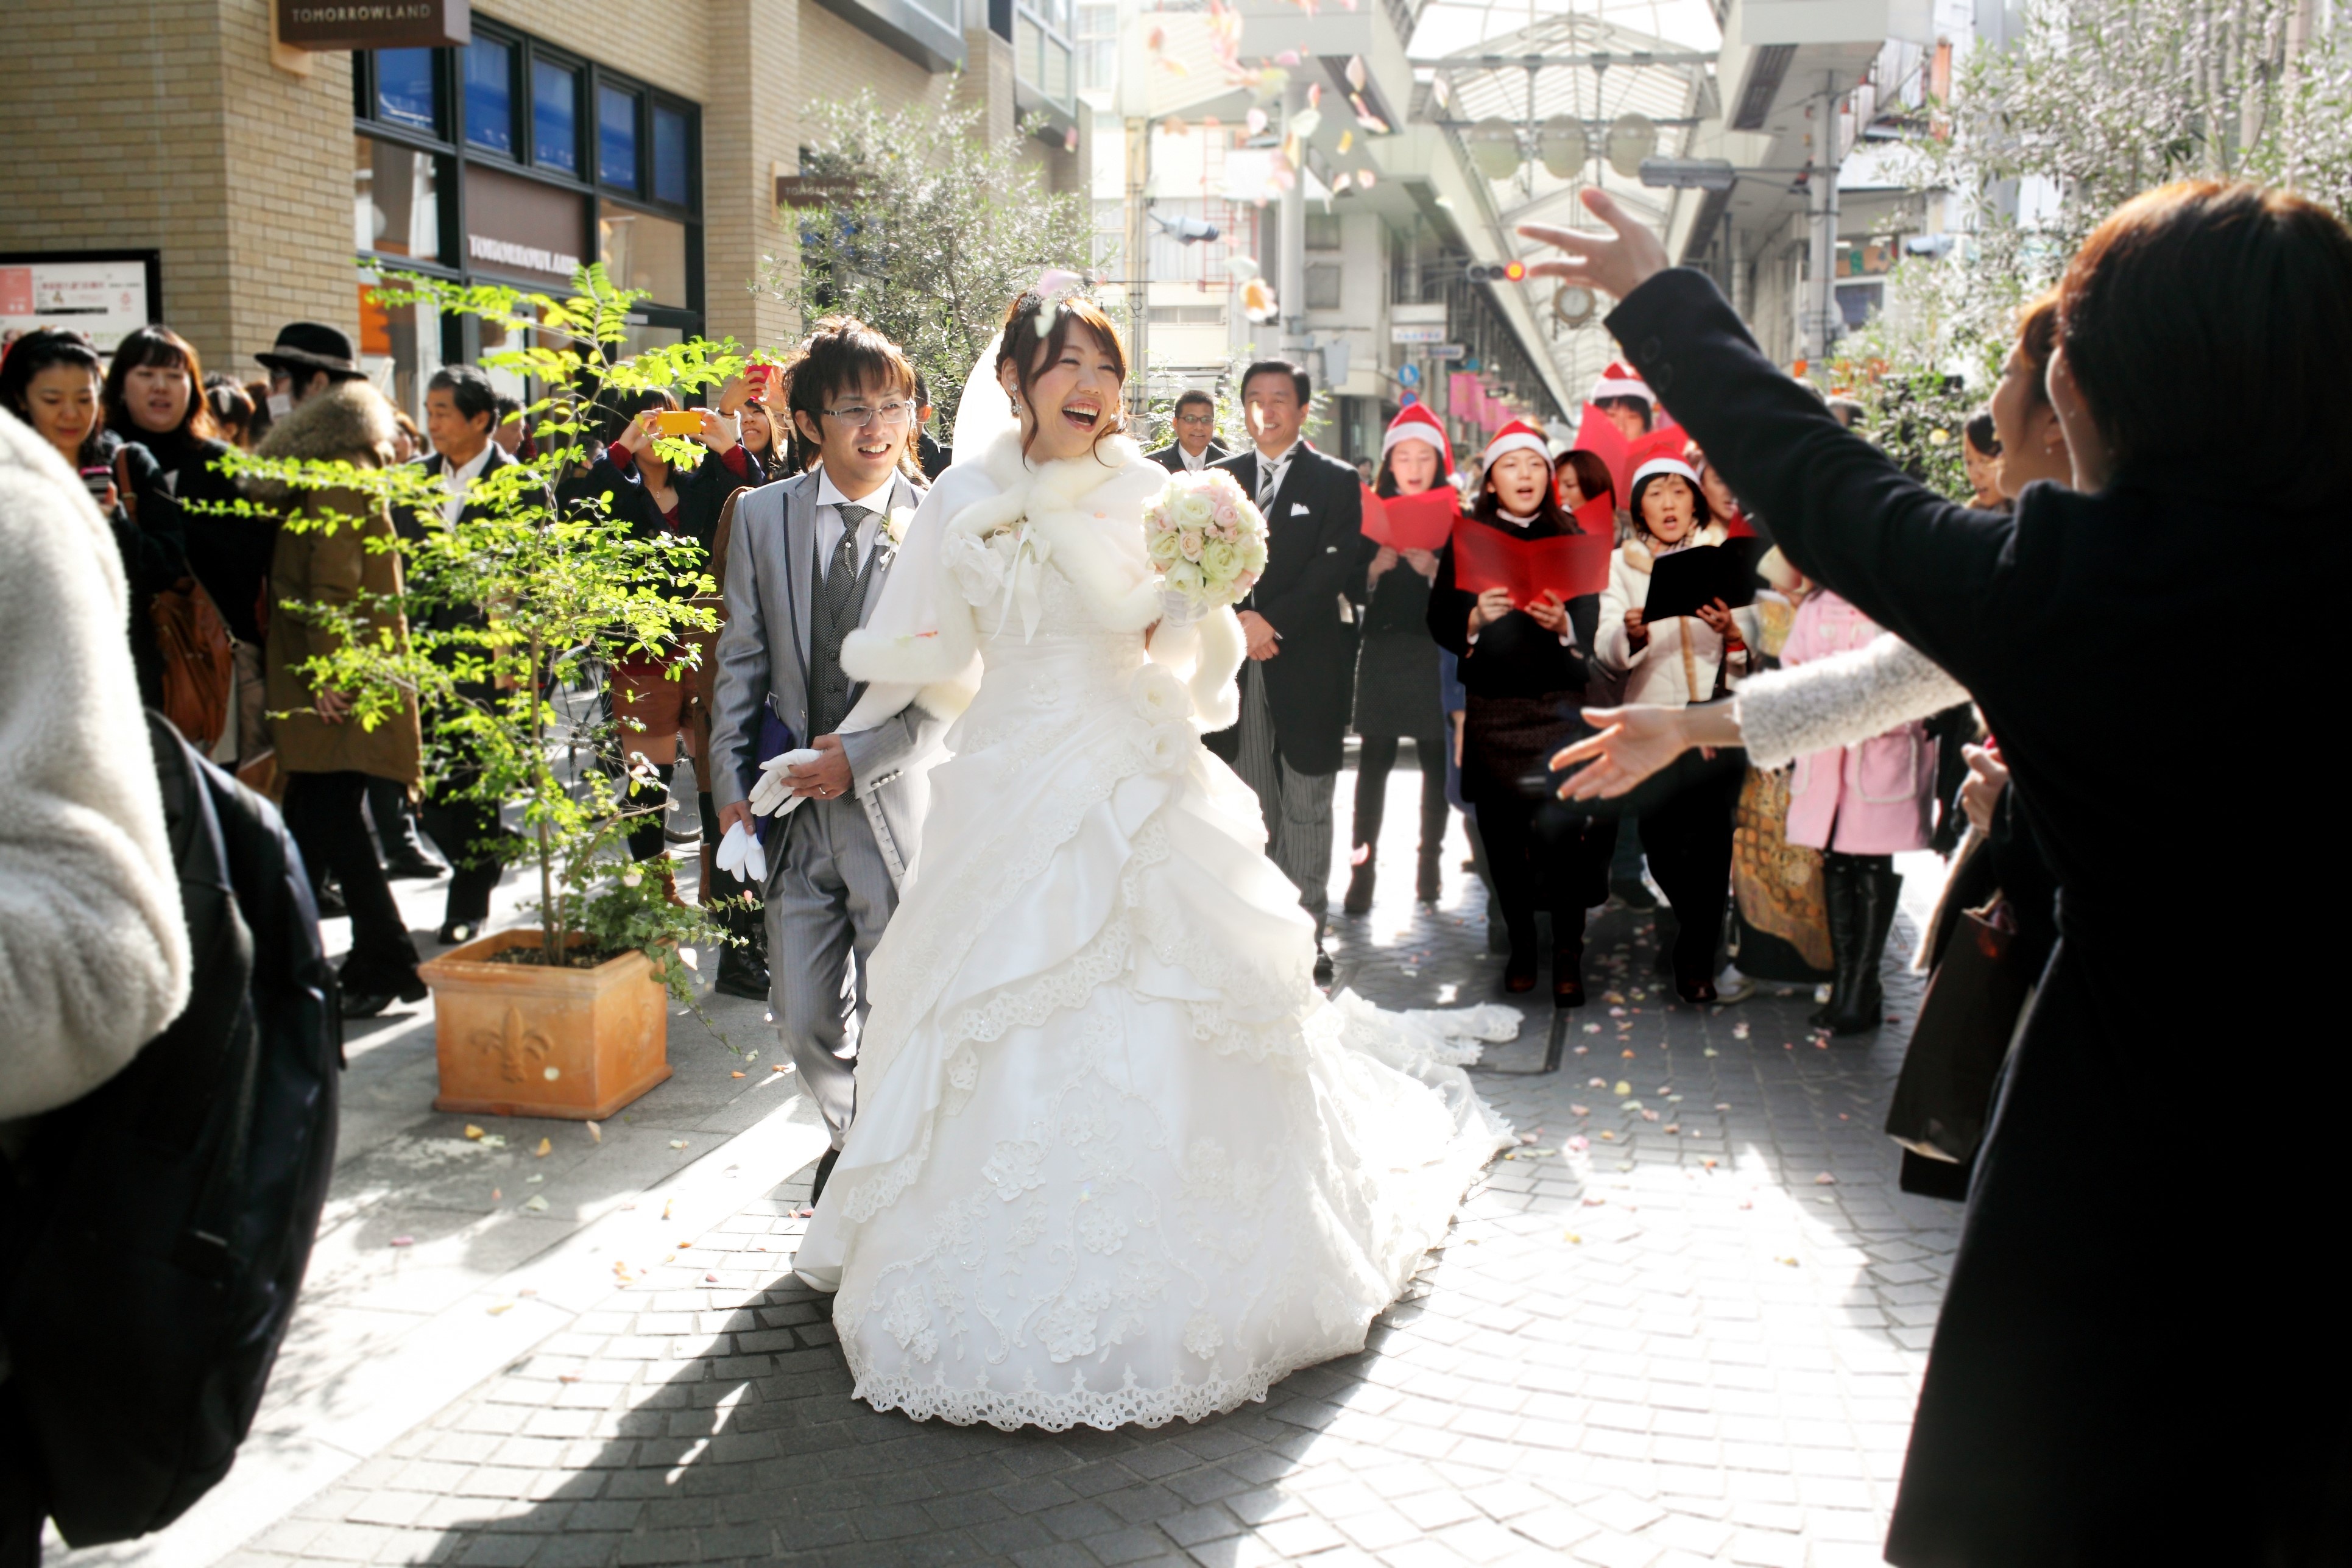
805	566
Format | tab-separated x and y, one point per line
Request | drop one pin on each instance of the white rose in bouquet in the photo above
1185	578
1220	559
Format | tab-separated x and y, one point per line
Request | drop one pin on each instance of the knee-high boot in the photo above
1840	899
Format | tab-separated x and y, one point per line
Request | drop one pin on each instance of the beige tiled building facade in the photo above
650	132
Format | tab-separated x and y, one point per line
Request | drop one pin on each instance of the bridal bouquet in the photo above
1206	538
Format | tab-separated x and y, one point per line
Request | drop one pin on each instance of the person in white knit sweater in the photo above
93	946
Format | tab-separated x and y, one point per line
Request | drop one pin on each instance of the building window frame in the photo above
453	155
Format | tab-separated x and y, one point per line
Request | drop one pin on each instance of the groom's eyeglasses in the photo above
890	416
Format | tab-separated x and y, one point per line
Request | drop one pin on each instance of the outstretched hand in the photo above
1615	266
1634	743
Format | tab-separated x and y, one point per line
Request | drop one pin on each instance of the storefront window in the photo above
489	95
616	137
395	200
555	116
672	154
400	349
645	252
404	89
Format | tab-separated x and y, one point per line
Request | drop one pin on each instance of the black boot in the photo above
1358	900
1841	900
1567	959
1875	887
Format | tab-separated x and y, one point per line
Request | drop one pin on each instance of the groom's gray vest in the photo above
836	613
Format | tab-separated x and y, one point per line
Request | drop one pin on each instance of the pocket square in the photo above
1298	509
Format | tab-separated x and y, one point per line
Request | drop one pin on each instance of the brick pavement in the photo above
1684	1325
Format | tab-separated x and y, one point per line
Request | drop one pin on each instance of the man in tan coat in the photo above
327	756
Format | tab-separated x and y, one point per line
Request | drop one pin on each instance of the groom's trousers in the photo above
828	897
1296	805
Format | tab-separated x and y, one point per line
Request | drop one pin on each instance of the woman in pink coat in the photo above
1861	806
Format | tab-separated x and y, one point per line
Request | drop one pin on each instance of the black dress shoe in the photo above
1697	992
741	974
824	1170
356	1006
1518	975
1568	979
1323	967
457	933
331	901
410	866
1358	900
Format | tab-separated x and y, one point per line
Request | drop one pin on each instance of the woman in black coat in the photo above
1397	696
155	398
1524	672
2135	1361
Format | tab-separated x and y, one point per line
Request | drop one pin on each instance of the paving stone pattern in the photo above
1684	1324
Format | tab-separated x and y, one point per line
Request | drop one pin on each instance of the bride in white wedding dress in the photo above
1115	1158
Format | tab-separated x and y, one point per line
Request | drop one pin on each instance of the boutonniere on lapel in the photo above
893	533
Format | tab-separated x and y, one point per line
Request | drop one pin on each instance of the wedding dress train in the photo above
1115	1159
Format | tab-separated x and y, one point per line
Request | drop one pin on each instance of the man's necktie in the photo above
1269	480
841	577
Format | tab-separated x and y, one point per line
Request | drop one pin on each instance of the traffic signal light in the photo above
1499	272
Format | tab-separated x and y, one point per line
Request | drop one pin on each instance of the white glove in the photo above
1177	609
771	793
740	856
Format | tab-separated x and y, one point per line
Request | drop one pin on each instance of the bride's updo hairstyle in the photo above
1029	352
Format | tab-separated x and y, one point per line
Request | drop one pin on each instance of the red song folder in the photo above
1569	565
1411	523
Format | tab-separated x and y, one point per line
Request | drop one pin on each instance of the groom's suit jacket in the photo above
1315	530
764	662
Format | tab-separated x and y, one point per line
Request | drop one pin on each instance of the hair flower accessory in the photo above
1054	285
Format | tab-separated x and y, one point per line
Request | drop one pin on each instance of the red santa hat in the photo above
1618	382
1416	423
1519	436
1658	468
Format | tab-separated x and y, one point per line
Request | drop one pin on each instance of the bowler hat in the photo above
303	346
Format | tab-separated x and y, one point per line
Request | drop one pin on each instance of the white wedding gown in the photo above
1115	1159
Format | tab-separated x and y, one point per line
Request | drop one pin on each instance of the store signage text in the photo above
530	257
328	24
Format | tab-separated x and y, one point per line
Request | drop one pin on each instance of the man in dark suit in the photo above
461	414
1195	446
1297	684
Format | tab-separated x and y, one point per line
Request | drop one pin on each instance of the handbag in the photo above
199	661
1944	1097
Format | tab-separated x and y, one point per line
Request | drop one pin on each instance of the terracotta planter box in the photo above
523	1039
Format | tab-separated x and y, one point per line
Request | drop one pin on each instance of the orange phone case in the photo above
678	422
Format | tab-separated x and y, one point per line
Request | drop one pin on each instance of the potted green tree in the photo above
566	1017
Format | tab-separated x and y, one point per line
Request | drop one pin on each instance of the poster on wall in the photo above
104	294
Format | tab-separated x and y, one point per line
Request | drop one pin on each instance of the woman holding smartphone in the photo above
53	380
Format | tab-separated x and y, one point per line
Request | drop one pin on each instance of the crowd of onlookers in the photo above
1480	690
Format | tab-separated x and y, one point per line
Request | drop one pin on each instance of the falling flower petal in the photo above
472	1131
1365	178
1357	76
1288	57
536	1203
596	1133
403	1241
1314	95
1346	140
546	1147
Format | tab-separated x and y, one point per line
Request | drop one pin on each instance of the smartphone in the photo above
678	422
99	482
